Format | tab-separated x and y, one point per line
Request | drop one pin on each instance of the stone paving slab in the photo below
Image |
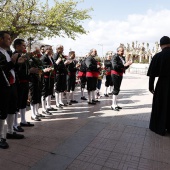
83	137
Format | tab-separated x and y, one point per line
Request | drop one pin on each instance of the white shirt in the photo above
123	61
8	58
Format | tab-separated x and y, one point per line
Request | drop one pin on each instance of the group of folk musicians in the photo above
41	74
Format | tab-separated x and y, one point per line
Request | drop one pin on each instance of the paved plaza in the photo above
85	137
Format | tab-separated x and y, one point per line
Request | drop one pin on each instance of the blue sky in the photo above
122	21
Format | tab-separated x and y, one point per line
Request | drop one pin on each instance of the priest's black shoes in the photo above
114	108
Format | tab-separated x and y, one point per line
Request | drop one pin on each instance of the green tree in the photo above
32	18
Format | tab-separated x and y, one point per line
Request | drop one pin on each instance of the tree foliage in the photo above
25	18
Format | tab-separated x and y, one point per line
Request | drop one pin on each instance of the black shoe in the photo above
95	101
27	124
14	135
40	116
36	118
83	98
73	101
59	106
3	143
119	107
92	103
18	129
51	109
69	103
46	113
110	93
106	95
114	108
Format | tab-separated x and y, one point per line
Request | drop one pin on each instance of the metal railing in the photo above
142	71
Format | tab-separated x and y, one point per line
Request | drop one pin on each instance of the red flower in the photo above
24	51
39	55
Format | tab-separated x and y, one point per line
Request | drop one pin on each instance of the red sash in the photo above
108	73
92	74
116	73
81	74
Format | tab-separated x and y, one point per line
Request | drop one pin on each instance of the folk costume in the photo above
47	83
60	81
92	74
35	87
82	77
71	81
108	82
8	98
22	77
117	71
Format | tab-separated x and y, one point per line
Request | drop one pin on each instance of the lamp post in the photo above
102	48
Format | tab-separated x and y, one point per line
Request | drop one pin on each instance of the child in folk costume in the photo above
100	77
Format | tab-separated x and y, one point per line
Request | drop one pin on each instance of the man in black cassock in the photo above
159	67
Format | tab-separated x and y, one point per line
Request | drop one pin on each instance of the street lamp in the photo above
102	48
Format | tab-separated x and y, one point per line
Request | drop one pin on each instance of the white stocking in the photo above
33	108
57	99
72	95
16	119
114	101
48	99
43	102
36	109
82	92
10	122
106	90
22	113
89	96
93	95
61	98
111	89
2	129
68	96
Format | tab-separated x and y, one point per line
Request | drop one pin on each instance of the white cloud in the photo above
147	28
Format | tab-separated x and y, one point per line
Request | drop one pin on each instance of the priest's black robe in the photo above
160	114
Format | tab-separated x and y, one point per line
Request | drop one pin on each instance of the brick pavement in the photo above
83	137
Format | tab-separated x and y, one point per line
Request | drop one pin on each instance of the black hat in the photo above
164	40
